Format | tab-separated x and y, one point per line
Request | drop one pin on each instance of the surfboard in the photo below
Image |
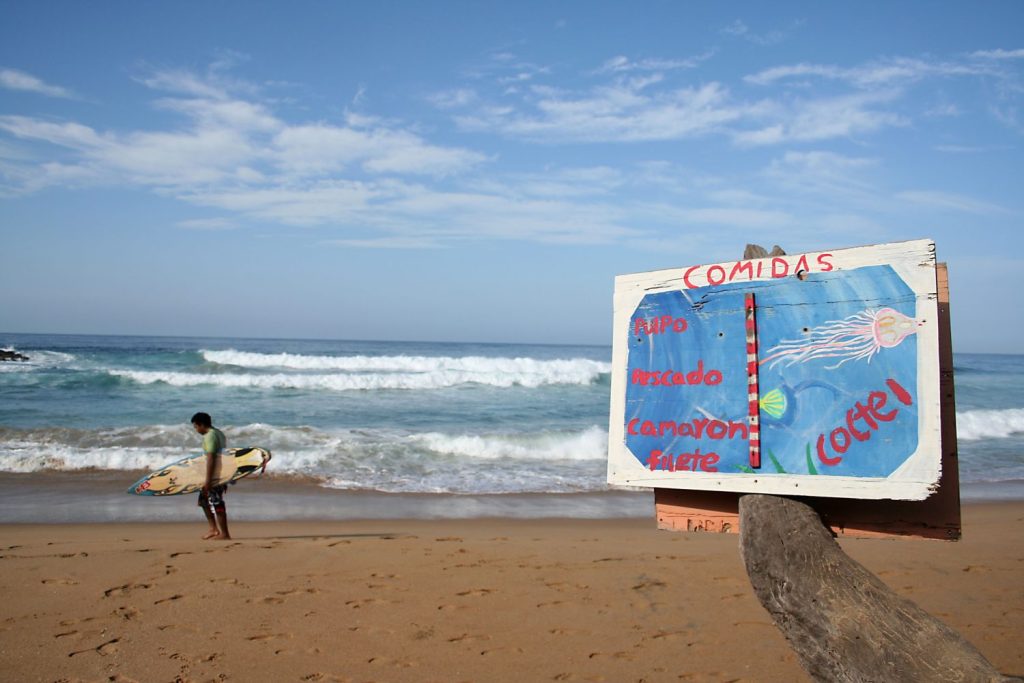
189	474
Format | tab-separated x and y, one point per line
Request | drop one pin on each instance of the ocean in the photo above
367	429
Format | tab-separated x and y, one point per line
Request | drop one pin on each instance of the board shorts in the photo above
214	501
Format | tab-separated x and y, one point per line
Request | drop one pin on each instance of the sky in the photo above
481	171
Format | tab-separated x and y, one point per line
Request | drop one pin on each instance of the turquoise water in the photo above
415	418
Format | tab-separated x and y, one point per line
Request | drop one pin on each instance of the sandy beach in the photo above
449	600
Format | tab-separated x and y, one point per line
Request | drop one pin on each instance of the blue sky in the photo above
481	171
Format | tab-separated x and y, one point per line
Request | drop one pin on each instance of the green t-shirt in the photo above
214	441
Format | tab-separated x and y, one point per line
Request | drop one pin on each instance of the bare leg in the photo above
222	521
213	532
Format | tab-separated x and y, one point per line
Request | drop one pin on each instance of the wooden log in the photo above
841	620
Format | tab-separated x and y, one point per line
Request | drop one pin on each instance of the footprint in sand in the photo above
397	663
766	624
501	650
553	603
566	632
269	636
562	586
575	677
173	598
468	637
271	600
733	596
226	580
364	602
297	591
64	582
126	589
127	613
670	635
628	656
103	649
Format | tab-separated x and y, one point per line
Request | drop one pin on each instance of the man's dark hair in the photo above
202	419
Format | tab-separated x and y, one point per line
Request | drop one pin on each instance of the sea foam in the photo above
37	360
366	455
973	425
475	364
364	373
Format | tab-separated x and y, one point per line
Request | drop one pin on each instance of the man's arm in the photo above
209	447
211	465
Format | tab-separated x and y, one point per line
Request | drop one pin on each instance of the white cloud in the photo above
236	156
325	202
72	135
999	54
616	113
739	29
13	79
736	217
185	83
882	73
944	201
622	64
224	113
833	178
228	139
962	149
815	120
321	148
453	99
638	103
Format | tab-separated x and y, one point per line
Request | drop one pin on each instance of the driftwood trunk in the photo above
841	620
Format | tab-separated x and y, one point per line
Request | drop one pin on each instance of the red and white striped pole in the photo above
752	389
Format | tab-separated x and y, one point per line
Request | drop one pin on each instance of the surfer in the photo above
211	498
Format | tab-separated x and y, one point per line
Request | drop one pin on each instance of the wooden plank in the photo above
937	517
848	378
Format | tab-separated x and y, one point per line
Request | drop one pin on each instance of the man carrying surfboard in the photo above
211	498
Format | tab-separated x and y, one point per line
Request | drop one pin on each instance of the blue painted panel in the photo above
838	376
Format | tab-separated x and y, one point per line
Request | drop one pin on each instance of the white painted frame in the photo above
916	479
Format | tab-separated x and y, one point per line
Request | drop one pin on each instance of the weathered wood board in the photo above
844	401
937	517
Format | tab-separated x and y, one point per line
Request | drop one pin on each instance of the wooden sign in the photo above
811	374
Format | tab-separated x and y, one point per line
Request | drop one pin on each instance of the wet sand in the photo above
449	600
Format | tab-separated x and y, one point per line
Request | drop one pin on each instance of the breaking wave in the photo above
973	425
367	373
37	360
391	461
